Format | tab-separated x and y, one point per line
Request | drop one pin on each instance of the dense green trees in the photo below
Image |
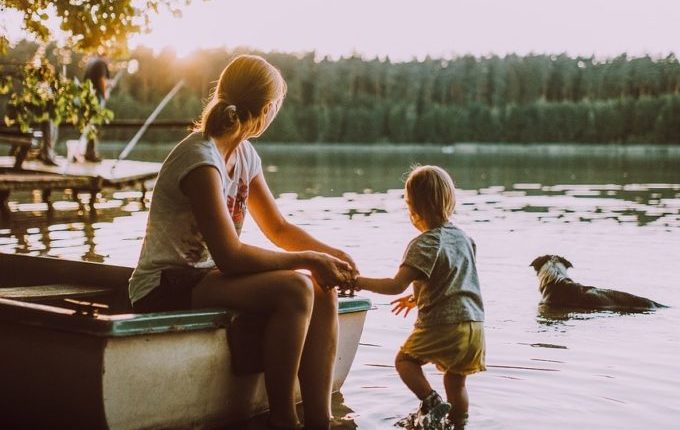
533	98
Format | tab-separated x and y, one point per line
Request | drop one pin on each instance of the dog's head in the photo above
542	260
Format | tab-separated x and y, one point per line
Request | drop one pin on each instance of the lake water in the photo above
614	212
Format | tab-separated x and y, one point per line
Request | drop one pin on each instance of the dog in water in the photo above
559	290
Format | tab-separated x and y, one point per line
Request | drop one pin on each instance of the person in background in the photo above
97	72
192	256
449	331
49	129
50	133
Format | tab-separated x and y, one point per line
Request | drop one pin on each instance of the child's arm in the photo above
396	285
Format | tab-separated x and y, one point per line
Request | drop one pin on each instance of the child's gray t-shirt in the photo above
450	292
172	236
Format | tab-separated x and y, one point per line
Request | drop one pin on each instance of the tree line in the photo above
532	98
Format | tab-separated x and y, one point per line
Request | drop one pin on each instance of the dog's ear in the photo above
566	262
539	262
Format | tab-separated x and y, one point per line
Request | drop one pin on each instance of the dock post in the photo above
46	193
96	185
20	155
74	196
4	204
93	197
142	200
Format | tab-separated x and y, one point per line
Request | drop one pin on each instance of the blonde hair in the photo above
245	87
430	194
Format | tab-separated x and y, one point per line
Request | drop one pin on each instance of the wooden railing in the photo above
20	143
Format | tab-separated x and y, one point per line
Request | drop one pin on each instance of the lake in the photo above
613	211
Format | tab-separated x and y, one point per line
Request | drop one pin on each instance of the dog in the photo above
559	290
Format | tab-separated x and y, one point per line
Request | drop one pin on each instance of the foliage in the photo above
44	96
90	25
4	44
102	25
534	98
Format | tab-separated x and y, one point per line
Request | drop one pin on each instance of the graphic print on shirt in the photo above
237	205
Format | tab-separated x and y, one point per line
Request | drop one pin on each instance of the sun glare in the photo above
402	30
438	28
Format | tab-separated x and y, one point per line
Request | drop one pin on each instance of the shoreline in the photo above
590	149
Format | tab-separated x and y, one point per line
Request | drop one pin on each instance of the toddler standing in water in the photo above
449	330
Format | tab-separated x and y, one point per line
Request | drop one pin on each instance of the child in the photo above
449	329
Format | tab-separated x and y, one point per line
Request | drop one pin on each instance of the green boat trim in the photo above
121	325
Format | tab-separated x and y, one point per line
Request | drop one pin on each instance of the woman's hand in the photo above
403	303
342	255
329	271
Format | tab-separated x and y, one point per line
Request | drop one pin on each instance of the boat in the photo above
74	356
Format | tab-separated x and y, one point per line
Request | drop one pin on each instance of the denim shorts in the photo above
174	291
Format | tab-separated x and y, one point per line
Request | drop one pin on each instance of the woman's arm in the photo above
391	286
288	236
203	188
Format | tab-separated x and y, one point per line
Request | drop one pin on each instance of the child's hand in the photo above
329	271
403	303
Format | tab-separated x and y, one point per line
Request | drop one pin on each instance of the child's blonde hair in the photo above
430	194
245	87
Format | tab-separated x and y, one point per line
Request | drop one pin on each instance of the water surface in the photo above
613	211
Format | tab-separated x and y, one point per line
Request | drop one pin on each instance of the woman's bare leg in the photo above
318	359
287	297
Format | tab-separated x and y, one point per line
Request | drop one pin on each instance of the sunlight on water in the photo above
616	217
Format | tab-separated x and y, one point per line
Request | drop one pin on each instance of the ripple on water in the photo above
577	370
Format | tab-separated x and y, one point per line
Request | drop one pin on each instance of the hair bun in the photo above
231	113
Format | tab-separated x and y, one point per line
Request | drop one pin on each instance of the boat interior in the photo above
84	288
92	298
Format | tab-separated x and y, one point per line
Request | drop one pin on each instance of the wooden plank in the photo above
159	123
29	181
17	270
21	144
89	176
125	171
53	291
126	123
16	140
46	183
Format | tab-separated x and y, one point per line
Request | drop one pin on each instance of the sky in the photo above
404	30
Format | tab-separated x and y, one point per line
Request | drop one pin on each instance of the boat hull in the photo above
62	369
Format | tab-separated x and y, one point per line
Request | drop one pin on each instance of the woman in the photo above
192	255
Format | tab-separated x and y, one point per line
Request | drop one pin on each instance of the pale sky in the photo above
406	29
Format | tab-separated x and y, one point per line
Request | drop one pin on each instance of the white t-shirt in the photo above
172	237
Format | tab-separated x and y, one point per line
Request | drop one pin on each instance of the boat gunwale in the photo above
37	270
122	325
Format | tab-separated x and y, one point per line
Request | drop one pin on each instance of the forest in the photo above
523	99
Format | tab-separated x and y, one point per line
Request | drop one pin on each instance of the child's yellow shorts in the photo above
456	348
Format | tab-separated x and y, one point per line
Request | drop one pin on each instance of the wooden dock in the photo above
79	177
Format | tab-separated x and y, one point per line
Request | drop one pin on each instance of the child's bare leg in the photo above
411	372
456	394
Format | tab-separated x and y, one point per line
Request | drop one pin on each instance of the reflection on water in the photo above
343	417
332	170
614	213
